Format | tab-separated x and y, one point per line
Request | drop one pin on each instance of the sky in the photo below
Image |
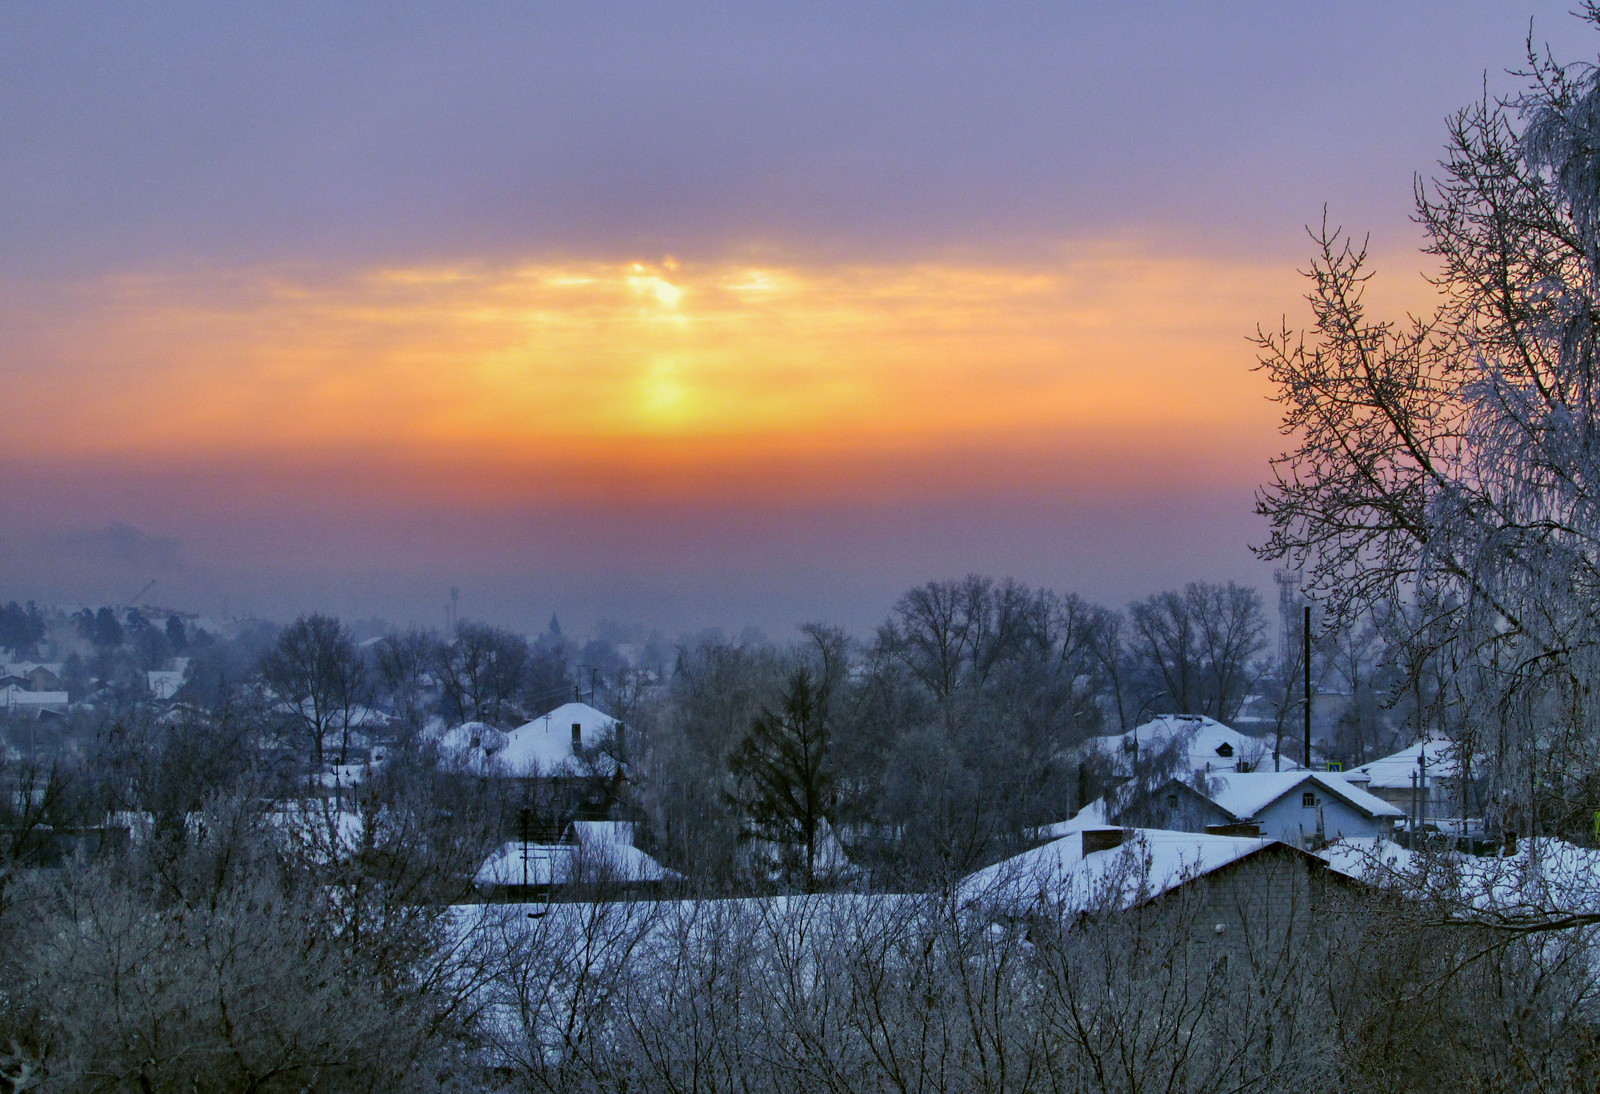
686	315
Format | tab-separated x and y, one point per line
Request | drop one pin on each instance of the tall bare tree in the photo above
320	681
1197	647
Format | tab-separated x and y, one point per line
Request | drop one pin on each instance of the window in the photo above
1172	801
577	734
1308	800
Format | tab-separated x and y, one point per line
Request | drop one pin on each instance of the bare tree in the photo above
320	681
482	671
403	661
1196	648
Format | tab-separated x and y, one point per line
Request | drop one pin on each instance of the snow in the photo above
347	775
545	743
1240	794
1394	772
601	849
1546	878
1209	745
164	683
12	697
1243	795
1149	862
469	738
1092	815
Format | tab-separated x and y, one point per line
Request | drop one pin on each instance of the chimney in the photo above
1101	839
1236	828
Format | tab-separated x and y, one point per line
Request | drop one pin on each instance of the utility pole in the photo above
1306	655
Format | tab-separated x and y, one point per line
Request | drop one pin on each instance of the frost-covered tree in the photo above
1451	462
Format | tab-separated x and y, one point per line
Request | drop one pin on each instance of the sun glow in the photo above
646	366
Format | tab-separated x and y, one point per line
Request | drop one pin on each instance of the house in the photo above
1303	808
34	676
1424	778
572	739
15	700
591	852
163	684
1188	743
566	763
1229	886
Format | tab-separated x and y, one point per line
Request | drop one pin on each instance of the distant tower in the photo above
1289	601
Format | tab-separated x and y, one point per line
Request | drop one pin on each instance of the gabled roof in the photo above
1207	744
545	742
1148	863
599	849
1393	772
1244	795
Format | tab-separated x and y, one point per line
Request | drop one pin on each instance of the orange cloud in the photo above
568	375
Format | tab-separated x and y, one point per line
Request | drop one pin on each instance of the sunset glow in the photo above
655	367
753	313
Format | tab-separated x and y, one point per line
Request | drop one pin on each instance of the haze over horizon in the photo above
731	314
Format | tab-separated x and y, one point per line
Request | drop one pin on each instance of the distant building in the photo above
1304	808
1194	743
1424	778
568	761
591	853
1233	887
16	700
32	675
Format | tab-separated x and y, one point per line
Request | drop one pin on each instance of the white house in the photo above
592	851
551	743
1430	766
1197	743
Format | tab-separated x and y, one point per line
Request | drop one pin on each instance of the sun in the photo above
665	402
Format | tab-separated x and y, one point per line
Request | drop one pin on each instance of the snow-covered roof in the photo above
22	668
545	742
516	863
829	857
1148	862
1092	815
1243	795
470	737
1208	745
1394	772
1546	878
12	696
164	683
603	849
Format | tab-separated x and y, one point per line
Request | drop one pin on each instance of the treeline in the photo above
940	742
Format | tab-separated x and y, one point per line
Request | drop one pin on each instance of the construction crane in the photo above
134	599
